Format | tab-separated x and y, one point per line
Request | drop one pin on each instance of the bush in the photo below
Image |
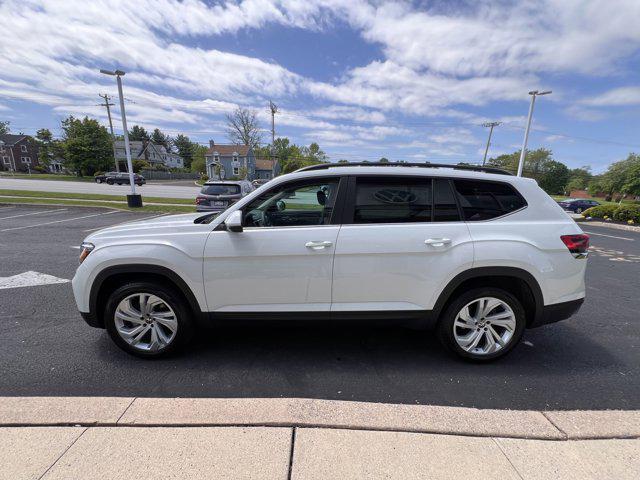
625	213
600	211
40	169
204	177
98	173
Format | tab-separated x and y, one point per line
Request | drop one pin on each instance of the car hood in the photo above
166	224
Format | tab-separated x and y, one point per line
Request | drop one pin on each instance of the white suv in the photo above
474	252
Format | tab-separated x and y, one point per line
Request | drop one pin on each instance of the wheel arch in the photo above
522	284
111	277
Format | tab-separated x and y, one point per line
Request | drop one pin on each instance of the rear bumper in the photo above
557	312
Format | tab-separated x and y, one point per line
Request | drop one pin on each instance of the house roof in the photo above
10	139
264	164
228	150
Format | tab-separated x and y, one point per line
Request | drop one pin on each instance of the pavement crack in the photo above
293	443
63	454
550	420
507	457
125	410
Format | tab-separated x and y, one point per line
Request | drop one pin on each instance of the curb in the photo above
301	412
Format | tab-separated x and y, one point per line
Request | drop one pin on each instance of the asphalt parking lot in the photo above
591	361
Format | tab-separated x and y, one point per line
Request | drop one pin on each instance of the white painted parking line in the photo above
609	236
124	223
57	221
30	279
34	213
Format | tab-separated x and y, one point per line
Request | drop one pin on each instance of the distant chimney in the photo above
212	144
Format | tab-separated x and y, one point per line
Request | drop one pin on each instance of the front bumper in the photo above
556	312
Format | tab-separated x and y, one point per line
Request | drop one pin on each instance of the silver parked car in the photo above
217	195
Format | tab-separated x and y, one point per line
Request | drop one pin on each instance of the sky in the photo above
410	81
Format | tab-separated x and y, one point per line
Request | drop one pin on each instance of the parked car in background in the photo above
475	253
217	195
259	182
120	178
577	205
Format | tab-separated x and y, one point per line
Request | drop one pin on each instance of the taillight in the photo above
200	200
577	244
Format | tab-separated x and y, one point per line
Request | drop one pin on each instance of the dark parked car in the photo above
216	196
577	205
119	178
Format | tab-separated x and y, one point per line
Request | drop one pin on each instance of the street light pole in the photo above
133	200
486	150
533	94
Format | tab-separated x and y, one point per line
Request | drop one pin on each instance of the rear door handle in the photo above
437	242
314	245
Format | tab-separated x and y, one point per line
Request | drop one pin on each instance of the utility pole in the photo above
106	103
533	94
486	150
274	109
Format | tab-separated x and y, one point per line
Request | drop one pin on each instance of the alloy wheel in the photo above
484	326
146	322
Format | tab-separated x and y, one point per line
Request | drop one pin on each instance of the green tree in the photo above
139	164
86	145
138	133
383	160
555	178
619	177
186	149
579	179
44	138
160	138
4	127
198	164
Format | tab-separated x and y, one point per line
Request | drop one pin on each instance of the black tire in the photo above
119	183
171	297
445	328
98	180
578	210
109	181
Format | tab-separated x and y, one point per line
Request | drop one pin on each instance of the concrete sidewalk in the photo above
83	437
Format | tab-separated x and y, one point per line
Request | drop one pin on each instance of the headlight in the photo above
85	249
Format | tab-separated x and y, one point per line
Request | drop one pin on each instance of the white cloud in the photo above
618	97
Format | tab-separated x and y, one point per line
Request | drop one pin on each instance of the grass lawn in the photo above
48	176
79	203
91	196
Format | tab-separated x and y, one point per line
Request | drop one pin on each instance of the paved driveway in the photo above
154	189
589	362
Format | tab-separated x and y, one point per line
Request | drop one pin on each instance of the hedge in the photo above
621	213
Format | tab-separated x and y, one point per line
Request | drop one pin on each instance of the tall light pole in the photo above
274	109
534	94
490	125
133	200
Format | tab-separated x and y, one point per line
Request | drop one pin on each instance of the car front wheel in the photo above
579	210
147	320
98	180
482	324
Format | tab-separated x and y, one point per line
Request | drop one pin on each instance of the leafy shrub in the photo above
625	213
600	211
40	169
204	177
98	173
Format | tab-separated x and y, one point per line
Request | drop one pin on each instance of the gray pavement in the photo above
178	189
588	362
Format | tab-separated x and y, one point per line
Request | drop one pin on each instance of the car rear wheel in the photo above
147	320
109	181
98	180
482	324
579	210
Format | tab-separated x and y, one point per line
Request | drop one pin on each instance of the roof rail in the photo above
323	166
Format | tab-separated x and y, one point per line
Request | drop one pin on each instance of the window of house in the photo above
293	204
23	148
392	200
236	170
216	158
26	160
6	160
481	200
445	208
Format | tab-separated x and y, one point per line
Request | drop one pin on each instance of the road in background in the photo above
588	362
153	189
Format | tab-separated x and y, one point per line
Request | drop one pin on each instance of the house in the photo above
266	168
230	161
18	153
153	153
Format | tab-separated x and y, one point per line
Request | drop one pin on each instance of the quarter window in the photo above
395	200
293	205
485	200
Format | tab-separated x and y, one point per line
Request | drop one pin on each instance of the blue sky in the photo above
405	80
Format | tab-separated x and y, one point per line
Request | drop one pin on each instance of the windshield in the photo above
221	189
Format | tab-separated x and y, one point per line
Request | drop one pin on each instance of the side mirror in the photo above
234	221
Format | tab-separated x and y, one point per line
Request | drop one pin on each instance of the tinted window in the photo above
293	205
446	209
221	189
484	200
395	200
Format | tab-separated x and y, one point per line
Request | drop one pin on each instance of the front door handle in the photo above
314	245
437	242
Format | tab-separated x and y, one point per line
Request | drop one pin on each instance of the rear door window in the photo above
392	200
445	206
483	200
